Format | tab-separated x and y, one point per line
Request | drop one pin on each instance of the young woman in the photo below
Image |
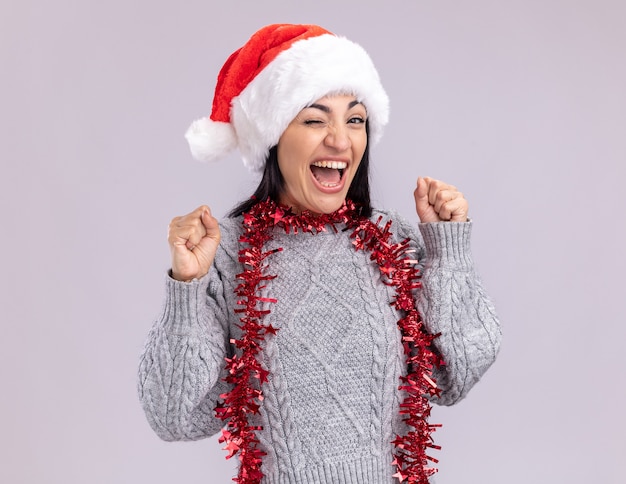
310	328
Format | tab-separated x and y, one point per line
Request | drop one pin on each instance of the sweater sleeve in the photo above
453	302
181	369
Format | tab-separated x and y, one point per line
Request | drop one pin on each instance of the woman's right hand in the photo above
193	240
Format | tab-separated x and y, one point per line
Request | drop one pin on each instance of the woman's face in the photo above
319	153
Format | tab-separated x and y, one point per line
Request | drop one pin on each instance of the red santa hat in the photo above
281	70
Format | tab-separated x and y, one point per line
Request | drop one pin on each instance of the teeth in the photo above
328	185
337	165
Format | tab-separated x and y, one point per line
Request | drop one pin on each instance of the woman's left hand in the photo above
436	201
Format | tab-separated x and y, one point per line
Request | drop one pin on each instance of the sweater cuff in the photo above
185	302
448	244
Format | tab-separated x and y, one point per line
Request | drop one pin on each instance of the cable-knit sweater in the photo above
331	406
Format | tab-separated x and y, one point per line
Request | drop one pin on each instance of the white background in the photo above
522	104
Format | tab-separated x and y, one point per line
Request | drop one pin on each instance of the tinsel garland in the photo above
246	375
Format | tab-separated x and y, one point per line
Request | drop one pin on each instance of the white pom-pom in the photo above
210	140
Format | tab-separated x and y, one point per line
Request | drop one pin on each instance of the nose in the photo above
338	137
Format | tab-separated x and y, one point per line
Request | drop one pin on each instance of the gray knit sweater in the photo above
331	405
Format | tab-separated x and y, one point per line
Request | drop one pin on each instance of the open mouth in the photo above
328	173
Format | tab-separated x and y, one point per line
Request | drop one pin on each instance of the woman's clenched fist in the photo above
193	240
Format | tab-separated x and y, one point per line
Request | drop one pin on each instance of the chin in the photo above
328	205
323	205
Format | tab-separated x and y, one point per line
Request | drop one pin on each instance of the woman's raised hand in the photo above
193	240
436	201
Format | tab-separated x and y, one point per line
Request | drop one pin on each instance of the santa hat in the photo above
281	70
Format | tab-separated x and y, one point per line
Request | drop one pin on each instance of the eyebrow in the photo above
326	109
